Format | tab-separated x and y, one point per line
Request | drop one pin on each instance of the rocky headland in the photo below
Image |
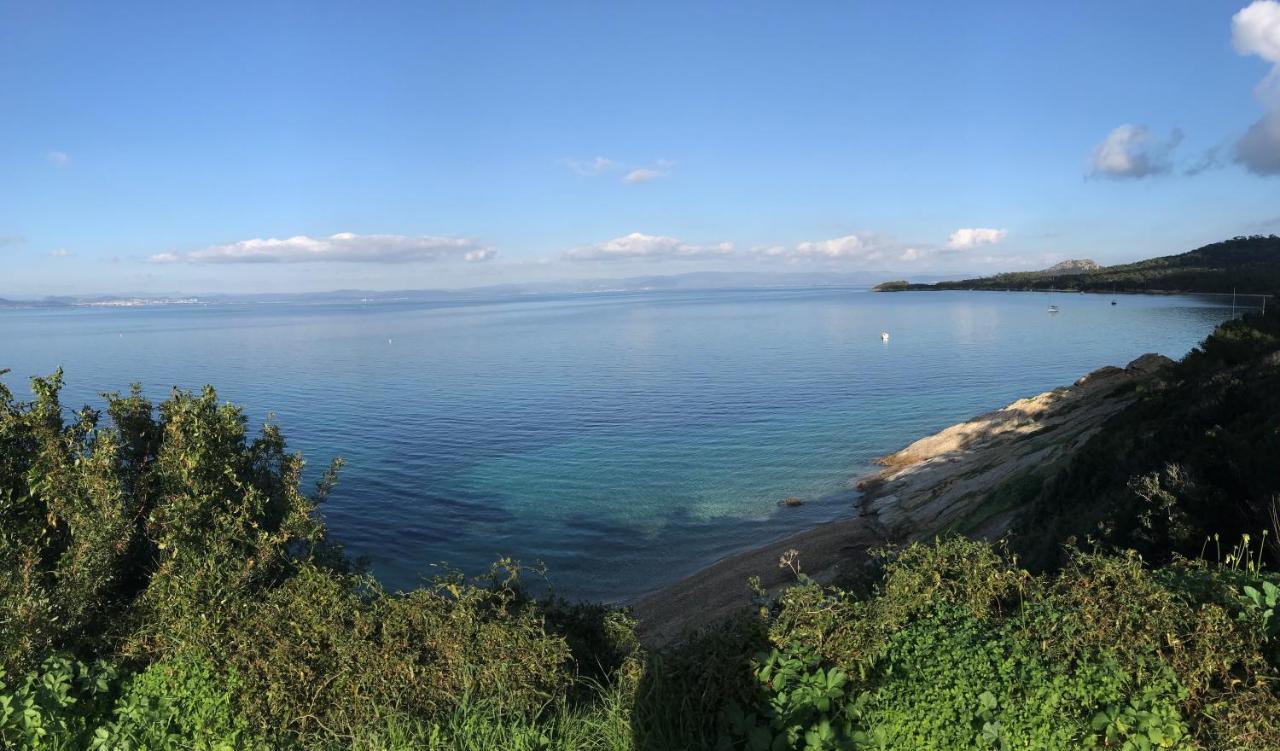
971	478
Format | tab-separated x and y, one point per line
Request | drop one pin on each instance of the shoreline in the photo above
970	478
1154	292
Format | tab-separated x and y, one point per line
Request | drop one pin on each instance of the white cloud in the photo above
58	158
859	246
910	254
1255	30
60	253
660	168
642	175
963	239
1259	148
590	167
1131	151
638	245
344	247
631	174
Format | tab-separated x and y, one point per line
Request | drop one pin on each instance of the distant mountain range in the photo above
690	281
1243	264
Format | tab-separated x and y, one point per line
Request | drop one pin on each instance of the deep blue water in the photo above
624	440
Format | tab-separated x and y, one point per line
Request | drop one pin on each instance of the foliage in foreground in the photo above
167	543
953	646
957	648
1195	459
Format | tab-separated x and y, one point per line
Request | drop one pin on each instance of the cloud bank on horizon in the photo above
344	247
638	245
856	248
349	247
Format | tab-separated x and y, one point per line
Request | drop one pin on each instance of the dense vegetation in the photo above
1245	264
168	585
1197	455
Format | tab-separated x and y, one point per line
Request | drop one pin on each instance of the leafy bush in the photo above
58	705
1194	456
317	641
181	703
958	648
165	538
808	706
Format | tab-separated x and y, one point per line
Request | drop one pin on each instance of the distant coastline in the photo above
1067	291
1241	265
687	282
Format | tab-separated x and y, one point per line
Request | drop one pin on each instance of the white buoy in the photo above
884	336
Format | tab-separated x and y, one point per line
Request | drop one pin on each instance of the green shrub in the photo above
181	703
166	532
319	640
685	686
1193	456
58	705
958	648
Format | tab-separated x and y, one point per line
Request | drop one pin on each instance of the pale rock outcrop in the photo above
945	479
956	479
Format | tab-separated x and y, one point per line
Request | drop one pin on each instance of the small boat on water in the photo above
884	336
1053	308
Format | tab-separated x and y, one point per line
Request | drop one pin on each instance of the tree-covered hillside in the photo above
1197	454
1245	264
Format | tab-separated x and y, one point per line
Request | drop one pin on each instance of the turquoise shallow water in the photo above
623	440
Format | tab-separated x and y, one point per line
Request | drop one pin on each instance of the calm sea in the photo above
623	440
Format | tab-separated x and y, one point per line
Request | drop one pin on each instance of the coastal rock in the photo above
1148	363
970	478
1105	371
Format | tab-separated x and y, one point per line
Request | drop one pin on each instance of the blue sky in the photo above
203	147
